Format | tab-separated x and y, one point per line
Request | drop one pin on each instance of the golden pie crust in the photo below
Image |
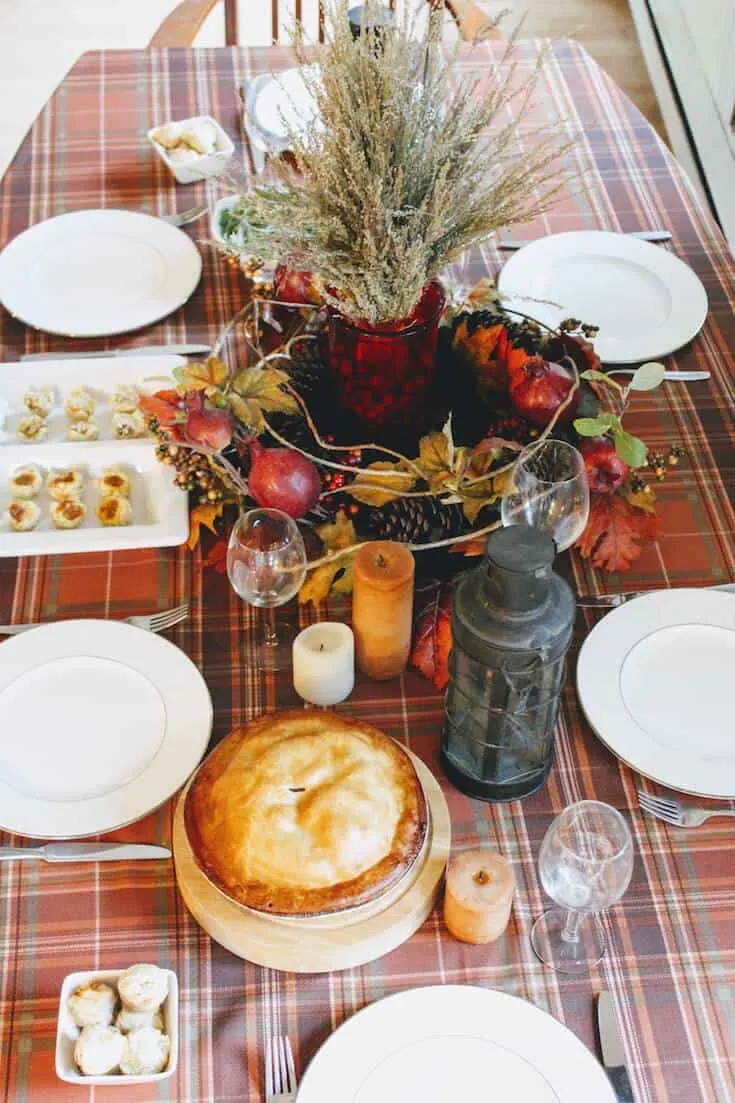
303	813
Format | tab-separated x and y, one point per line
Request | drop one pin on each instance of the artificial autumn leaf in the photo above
318	582
641	499
207	377
395	485
483	295
616	532
165	406
204	515
334	576
257	391
217	557
337	534
469	548
435	458
433	639
475	498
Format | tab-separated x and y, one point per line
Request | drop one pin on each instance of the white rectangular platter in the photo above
160	512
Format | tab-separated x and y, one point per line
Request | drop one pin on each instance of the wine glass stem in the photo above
571	927
270	637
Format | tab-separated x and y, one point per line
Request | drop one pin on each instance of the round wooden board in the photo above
303	946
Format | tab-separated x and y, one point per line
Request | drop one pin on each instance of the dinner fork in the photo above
154	622
183	218
676	813
612	601
280	1073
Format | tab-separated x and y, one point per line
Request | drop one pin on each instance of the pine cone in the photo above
415	521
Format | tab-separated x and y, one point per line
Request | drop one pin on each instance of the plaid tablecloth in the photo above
671	963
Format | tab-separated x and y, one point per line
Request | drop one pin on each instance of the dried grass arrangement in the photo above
413	163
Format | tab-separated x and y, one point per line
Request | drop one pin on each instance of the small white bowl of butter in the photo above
192	149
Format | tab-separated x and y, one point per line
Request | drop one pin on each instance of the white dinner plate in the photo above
655	680
100	723
453	1042
97	273
646	301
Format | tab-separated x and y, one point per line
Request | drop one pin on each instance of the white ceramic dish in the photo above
97	273
646	301
67	1032
100	723
205	165
277	104
654	678
443	1042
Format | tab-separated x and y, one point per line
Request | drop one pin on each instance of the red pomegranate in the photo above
538	388
283	479
605	469
207	425
291	285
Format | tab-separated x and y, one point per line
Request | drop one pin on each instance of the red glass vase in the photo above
384	373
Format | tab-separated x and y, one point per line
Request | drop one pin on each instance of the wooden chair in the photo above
181	27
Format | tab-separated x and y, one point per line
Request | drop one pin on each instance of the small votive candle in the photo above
478	896
382	608
324	663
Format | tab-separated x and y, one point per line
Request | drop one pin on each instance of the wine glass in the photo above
266	565
549	491
585	864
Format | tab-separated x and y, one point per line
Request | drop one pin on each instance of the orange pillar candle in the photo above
478	896
382	608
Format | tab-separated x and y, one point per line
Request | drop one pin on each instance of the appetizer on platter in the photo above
65	483
68	513
25	482
80	405
128	426
39	401
113	511
113	482
124	399
83	429
22	515
32	428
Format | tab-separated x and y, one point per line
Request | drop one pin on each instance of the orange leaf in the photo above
616	532
476	546
433	639
205	515
164	405
217	557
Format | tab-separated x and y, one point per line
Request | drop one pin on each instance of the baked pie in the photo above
302	813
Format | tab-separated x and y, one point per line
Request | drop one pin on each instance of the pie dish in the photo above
304	813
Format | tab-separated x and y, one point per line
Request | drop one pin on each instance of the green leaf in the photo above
600	377
630	449
596	426
648	377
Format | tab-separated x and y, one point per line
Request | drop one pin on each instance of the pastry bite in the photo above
128	426
167	135
83	430
32	428
80	405
113	482
99	1050
114	511
93	1004
146	1052
22	515
128	1020
25	482
143	987
125	398
39	401
200	135
68	513
65	483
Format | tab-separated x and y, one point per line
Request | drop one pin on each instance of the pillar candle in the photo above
324	663
479	893
382	608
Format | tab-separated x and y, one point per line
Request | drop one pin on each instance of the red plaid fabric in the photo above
671	962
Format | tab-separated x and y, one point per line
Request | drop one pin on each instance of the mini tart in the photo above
25	482
128	426
114	511
304	813
113	483
68	513
83	430
32	428
79	405
124	399
40	402
66	483
22	515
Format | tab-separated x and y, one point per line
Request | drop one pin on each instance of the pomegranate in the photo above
291	285
605	469
282	479
206	424
538	388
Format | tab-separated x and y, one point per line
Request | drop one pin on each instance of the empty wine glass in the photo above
585	864
266	565
549	491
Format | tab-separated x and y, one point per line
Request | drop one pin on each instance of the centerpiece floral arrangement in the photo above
359	400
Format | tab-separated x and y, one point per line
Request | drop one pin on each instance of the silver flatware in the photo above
85	852
183	218
677	814
154	622
644	235
280	1073
612	601
147	350
613	1053
671	376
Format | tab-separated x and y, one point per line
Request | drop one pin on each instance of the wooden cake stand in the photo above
324	943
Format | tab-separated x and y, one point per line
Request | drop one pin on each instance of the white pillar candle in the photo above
324	663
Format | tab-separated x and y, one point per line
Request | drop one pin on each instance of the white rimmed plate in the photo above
655	680
444	1043
277	104
100	723
646	301
97	273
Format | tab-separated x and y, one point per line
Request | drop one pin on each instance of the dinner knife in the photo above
644	235
147	350
611	1044
85	852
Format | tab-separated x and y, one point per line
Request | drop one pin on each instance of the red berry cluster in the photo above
336	480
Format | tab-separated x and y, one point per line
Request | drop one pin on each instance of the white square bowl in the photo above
202	167
67	1032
